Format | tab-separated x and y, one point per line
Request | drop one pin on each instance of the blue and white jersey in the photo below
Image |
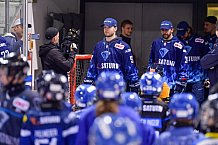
171	55
210	40
178	136
12	109
89	115
210	138
156	114
116	56
4	48
196	48
56	127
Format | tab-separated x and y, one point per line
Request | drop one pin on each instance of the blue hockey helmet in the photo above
85	94
184	106
113	129
132	100
110	85
53	87
43	77
151	84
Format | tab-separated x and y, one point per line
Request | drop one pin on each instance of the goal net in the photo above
78	73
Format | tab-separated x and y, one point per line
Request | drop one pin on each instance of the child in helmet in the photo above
183	113
15	100
209	119
154	112
54	122
109	86
85	96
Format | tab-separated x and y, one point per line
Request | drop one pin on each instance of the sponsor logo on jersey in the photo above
199	40
109	66
192	58
163	52
178	45
46	133
166	62
50	119
152	108
155	122
21	104
119	46
105	55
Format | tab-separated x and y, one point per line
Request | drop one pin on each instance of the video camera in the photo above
70	41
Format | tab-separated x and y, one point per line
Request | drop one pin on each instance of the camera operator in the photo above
52	57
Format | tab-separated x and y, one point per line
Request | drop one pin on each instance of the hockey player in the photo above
4	48
165	93
154	112
210	30
132	100
196	48
209	122
109	86
169	52
85	97
15	99
53	123
113	54
184	111
113	129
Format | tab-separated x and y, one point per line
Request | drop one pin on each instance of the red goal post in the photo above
78	73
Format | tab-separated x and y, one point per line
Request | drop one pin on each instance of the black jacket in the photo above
53	59
210	62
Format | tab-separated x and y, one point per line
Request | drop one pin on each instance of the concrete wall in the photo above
42	8
146	18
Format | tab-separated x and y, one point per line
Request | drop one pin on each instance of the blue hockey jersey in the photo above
196	48
4	48
210	40
89	116
171	55
56	127
178	136
12	109
116	56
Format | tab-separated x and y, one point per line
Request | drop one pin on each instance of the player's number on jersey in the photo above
131	59
46	141
4	53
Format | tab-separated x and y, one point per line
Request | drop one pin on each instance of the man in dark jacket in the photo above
210	62
51	56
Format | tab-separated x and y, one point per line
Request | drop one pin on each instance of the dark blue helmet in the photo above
132	100
110	85
151	84
85	95
209	113
53	87
112	129
16	65
184	106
